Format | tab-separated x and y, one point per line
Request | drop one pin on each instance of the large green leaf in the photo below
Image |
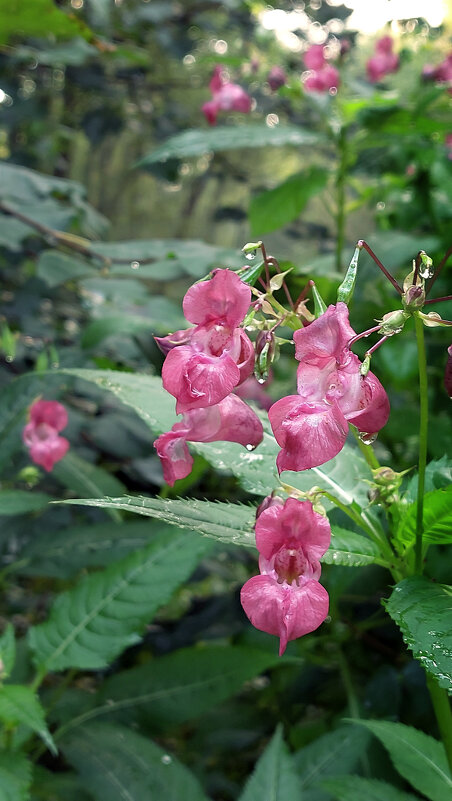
163	693
199	141
420	759
423	612
19	704
106	612
120	765
272	209
355	788
37	18
7	650
15	777
437	519
351	550
334	754
19	502
274	778
438	475
64	552
56	268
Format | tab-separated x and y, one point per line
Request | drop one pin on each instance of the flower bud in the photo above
265	352
270	500
414	298
393	322
448	373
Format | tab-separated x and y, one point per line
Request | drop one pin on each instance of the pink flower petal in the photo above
373	410
197	380
174	456
314	58
210	111
325	337
50	412
49	451
294	525
224	300
174	340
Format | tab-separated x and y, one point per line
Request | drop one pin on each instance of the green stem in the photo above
443	713
341	178
423	432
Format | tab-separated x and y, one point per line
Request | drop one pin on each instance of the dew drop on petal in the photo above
367	439
134	265
250	447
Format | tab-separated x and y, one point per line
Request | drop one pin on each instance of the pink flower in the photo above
449	146
226	96
323	77
286	599
276	78
314	58
231	420
40	435
252	390
383	62
312	427
218	355
448	373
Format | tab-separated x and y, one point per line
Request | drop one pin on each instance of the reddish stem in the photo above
374	347
271	260
303	293
363	244
438	300
363	334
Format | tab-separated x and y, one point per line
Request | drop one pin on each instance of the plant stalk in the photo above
423	433
443	713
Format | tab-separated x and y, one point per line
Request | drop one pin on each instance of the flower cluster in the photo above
324	77
311	427
226	96
286	599
441	73
41	434
384	61
203	366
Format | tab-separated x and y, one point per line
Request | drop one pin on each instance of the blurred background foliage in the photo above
97	200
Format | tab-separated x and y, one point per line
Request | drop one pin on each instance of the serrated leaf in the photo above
19	502
420	759
19	704
15	777
437	519
7	650
272	209
120	765
273	778
197	142
333	754
438	474
83	478
355	788
107	611
351	550
423	612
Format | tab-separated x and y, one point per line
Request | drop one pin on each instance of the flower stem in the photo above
443	713
423	432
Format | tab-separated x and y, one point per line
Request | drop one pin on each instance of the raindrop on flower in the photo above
166	759
251	256
425	271
134	265
367	439
261	380
250	447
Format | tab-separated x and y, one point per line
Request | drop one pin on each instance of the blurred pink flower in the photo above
312	427
226	96
216	355
314	58
449	146
448	373
286	599
276	78
252	390
40	435
324	77
384	61
231	420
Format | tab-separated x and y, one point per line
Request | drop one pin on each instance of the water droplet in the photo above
166	759
250	447
251	256
425	271
9	359
134	265
368	439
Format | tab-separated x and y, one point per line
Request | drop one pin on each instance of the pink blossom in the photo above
276	78
311	427
448	373
218	355
449	146
40	435
314	58
226	96
286	599
252	390
231	420
384	61
323	77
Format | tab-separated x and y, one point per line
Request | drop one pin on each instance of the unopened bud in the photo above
269	501
414	297
265	353
393	322
448	373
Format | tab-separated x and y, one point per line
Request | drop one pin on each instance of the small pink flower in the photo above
40	435
218	355
276	78
252	390
312	427
448	373
384	61
323	77
231	420
449	146
286	599
226	96
314	58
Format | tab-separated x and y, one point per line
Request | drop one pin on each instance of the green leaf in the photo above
355	788
7	651
56	268
333	754
15	777
19	502
437	519
106	612
423	612
272	209
197	142
351	550
120	765
274	778
438	475
20	705
63	553
82	477
37	18
156	316
49	786
420	759
162	692
236	523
